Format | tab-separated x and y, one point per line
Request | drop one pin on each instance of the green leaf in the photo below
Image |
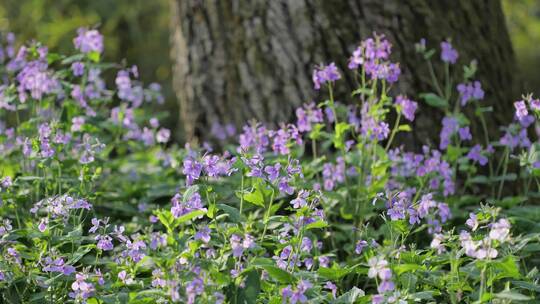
250	292
233	213
339	136
316	225
527	285
94	56
511	295
405	128
278	274
402	268
188	216
434	100
334	273
350	296
255	197
422	295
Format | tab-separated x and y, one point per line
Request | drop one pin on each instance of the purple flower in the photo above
470	91
77	123
307	115
77	68
104	242
163	135
323	261
535	104
88	41
464	133
192	170
36	79
300	200
273	171
448	53
43	224
324	74
193	289
332	287
521	109
408	107
475	154
449	128
82	290
203	234
360	245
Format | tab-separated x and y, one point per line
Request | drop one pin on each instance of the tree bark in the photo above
237	59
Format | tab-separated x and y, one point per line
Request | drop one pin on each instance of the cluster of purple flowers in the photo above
334	175
88	40
484	248
372	55
407	107
36	79
429	165
379	267
448	53
57	265
82	289
400	206
297	295
211	165
222	132
60	206
470	91
184	206
307	115
325	74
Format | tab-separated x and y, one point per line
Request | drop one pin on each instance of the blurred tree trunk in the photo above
238	59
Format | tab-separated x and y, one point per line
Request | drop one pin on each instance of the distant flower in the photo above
77	68
88	41
464	133
448	53
521	109
470	91
325	74
408	107
203	234
360	245
163	135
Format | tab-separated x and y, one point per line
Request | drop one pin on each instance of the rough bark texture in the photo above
240	59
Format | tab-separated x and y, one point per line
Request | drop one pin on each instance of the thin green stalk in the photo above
434	79
505	168
394	131
267	215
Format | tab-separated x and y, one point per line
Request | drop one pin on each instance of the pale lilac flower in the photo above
472	221
521	109
325	74
360	245
77	68
203	234
163	135
408	107
448	53
77	123
300	200
88	41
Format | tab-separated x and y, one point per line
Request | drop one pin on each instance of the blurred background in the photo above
137	32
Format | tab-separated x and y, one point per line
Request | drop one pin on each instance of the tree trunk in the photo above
237	59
